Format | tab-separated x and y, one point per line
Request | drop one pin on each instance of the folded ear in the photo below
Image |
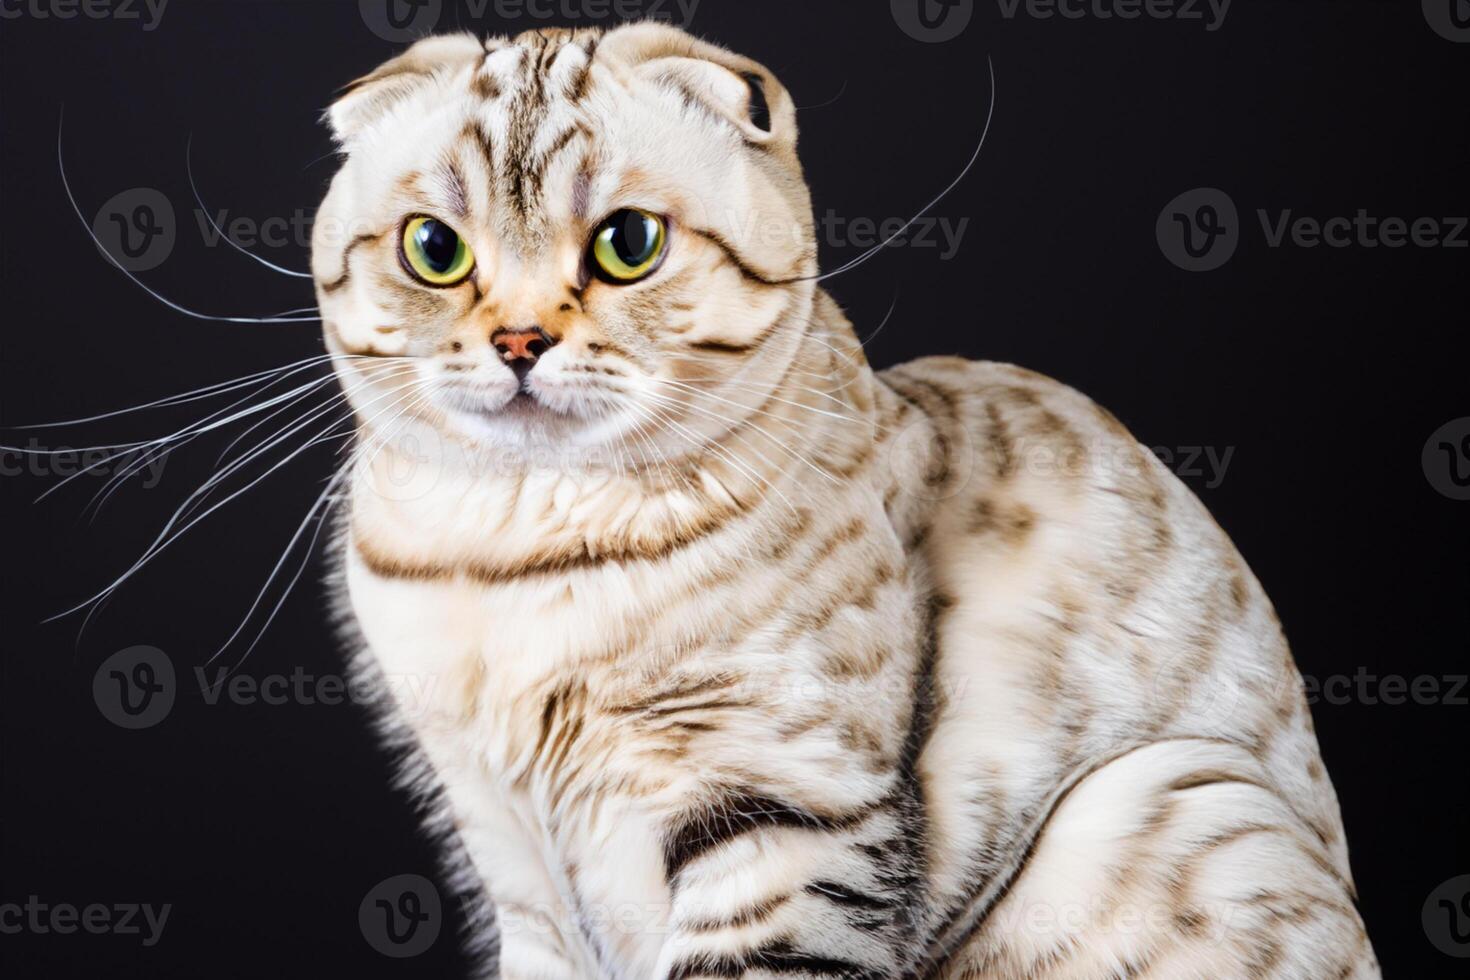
366	100
734	88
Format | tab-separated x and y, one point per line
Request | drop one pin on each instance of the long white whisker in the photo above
332	483
300	569
820	411
245	433
736	424
324	409
115	483
721	362
196	394
181	437
864	342
66	185
729	457
165	539
974	158
382	436
204	209
383	372
660	459
763	389
290	546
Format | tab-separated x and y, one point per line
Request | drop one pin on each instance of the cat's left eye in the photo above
628	247
434	253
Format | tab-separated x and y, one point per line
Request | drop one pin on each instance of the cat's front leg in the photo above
532	945
765	888
532	933
526	956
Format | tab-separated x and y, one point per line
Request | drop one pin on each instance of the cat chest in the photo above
560	803
451	640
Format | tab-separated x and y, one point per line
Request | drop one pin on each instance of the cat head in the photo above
569	237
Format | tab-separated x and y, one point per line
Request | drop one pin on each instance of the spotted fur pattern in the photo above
738	659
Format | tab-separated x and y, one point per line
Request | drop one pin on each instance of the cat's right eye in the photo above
434	253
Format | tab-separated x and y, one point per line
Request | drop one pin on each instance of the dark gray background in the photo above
1326	370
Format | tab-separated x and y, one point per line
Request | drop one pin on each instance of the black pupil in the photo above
634	236
439	245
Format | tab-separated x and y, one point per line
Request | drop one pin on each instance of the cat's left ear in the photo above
739	90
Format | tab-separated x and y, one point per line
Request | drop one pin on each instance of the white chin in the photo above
516	420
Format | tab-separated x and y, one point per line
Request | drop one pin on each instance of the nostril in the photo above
535	347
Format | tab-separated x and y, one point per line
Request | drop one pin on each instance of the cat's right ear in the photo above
362	103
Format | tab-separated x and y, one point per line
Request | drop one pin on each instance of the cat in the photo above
742	659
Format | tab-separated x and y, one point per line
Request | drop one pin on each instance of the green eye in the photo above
628	246
435	253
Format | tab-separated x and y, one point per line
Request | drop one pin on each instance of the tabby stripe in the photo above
917	387
484	84
346	274
706	686
575	558
481	142
719	347
847	897
535	175
1213	778
850	531
733	815
525	119
778	957
944	418
548	721
746	270
736	347
578	89
998	437
752	916
925	704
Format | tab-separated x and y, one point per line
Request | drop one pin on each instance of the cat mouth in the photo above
498	404
525	402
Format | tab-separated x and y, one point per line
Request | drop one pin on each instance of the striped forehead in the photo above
524	118
536	66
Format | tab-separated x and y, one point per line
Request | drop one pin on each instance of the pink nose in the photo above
522	345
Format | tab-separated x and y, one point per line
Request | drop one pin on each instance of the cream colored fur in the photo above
741	659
